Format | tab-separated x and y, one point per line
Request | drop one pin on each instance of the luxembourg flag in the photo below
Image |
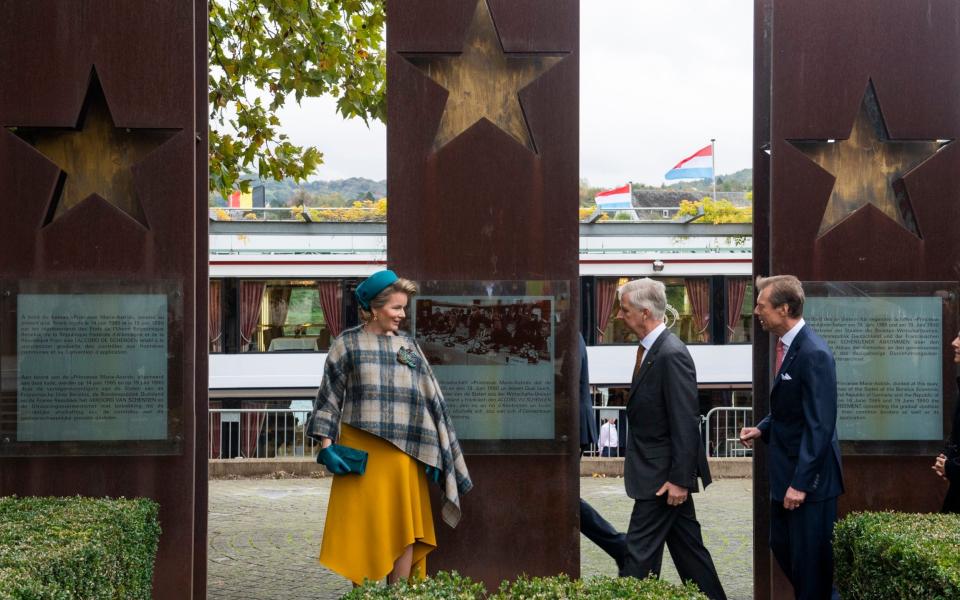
614	199
697	166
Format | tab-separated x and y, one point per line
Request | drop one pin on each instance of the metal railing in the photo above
722	432
278	432
258	433
602	414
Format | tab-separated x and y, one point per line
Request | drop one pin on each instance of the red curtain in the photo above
736	289
605	296
331	301
251	298
213	429
698	291
250	426
214	322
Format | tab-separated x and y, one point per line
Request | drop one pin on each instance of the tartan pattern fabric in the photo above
365	385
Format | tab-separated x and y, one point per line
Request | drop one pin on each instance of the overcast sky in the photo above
657	81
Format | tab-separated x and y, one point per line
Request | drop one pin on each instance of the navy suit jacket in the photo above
588	423
801	428
664	434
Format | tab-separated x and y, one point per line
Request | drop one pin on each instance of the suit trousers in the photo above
599	531
801	541
653	523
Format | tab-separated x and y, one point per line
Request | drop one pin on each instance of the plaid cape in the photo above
367	386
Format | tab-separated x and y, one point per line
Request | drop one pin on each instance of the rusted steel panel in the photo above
762	56
486	207
146	54
824	54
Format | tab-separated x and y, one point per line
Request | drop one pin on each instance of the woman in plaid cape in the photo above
379	395
947	465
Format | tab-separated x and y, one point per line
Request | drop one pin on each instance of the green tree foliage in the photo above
265	52
588	193
721	211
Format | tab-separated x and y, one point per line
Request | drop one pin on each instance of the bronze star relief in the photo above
869	167
95	157
484	82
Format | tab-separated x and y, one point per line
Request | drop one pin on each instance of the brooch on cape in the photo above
406	356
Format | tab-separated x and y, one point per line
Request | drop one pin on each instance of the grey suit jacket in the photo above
664	443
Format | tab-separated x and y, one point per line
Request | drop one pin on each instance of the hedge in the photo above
453	586
891	555
72	548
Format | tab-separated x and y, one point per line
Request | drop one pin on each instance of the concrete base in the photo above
240	468
720	468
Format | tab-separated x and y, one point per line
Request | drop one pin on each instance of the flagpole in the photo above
713	158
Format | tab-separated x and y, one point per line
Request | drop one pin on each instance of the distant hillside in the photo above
670	195
741	181
339	192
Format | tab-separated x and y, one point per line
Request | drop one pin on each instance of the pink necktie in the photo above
781	350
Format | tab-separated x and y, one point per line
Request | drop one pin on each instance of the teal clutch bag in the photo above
355	459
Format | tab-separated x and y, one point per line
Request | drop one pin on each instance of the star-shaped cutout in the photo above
484	82
869	167
95	157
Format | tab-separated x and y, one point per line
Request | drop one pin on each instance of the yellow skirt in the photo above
372	518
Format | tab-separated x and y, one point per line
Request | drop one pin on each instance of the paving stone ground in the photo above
265	536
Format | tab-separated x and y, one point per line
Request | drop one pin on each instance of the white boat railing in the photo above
722	432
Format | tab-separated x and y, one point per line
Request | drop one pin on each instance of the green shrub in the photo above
608	588
72	548
896	555
444	586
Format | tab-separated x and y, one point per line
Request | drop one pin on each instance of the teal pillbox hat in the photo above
373	285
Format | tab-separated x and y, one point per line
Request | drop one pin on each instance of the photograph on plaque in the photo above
91	367
494	358
889	350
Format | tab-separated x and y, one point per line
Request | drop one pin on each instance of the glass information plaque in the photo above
91	367
889	344
493	347
96	371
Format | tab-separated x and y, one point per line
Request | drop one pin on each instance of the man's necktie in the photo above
636	368
781	350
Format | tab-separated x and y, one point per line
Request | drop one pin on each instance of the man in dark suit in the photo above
664	452
597	529
801	430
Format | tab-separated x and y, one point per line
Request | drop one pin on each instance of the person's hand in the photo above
748	434
676	495
940	466
793	498
333	461
433	474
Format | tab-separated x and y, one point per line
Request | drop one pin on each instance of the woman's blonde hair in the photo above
380	300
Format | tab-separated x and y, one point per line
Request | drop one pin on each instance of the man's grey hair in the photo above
645	293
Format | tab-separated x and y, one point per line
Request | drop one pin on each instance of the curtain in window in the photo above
736	289
214	317
605	296
698	290
251	424
279	303
251	298
213	430
331	301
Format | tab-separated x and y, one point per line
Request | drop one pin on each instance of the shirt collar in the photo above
787	338
651	337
